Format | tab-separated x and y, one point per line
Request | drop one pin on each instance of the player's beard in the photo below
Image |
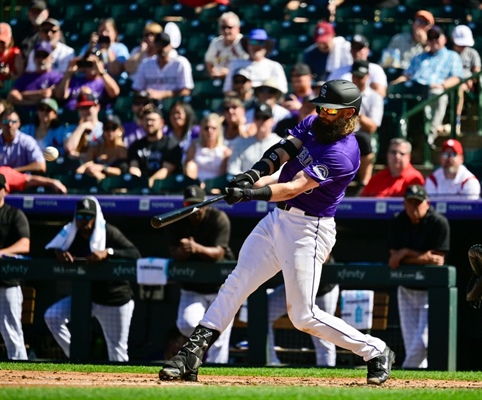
330	132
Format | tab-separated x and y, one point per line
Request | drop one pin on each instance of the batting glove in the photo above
245	180
236	195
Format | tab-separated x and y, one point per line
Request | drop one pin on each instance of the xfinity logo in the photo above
14	269
124	271
175	272
351	274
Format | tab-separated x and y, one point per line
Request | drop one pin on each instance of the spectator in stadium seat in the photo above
182	124
86	72
11	60
20	181
207	156
146	49
328	53
393	180
269	92
89	129
360	49
301	79
113	53
26	31
420	236
108	156
235	124
62	54
247	150
31	87
307	108
133	129
47	128
226	47
242	87
406	45
18	150
157	155
370	119
438	69
164	76
452	178
463	41
260	68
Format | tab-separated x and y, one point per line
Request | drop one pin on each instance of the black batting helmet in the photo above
338	94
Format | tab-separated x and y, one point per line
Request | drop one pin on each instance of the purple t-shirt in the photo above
96	85
23	150
332	165
132	132
37	81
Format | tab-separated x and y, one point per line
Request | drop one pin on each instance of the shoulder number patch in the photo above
321	171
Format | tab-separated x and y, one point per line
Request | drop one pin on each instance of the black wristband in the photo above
263	193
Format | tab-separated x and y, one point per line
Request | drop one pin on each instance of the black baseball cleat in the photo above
176	369
379	367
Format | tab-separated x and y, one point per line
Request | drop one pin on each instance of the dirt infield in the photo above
80	379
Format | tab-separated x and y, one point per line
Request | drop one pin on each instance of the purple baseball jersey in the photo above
332	165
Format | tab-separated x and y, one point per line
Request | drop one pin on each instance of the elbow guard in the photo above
285	145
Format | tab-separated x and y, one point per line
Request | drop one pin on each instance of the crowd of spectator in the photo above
61	96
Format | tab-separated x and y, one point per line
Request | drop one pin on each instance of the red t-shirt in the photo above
16	181
383	184
8	57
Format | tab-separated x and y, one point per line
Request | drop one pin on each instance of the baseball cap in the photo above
43	47
86	206
416	192
3	181
360	68
426	15
462	36
5	33
244	73
453	144
194	194
300	69
339	94
270	84
49	102
50	21
162	39
323	32
38	5
435	32
360	39
257	34
264	110
86	100
112	120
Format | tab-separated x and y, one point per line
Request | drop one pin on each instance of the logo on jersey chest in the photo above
304	157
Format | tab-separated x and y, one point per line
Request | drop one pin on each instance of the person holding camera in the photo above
87	71
113	53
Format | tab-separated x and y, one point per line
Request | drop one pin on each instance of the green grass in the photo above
200	392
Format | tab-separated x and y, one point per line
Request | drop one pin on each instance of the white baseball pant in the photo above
11	300
114	320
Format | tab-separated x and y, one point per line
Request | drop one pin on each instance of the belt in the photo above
283	206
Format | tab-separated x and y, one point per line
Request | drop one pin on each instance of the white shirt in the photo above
259	71
221	55
175	75
61	56
465	184
371	106
279	113
137	49
247	151
375	72
209	161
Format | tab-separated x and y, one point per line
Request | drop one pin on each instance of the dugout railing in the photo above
439	280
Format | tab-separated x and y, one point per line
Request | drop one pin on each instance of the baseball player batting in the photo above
320	157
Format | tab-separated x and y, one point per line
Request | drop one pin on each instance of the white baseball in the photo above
51	153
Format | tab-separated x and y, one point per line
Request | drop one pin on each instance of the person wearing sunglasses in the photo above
408	44
145	49
393	180
225	47
89	239
18	150
51	32
306	175
452	178
437	69
31	87
259	46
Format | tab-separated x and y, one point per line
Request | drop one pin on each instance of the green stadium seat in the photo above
62	165
125	184
211	14
260	13
174	12
215	185
173	184
78	183
355	13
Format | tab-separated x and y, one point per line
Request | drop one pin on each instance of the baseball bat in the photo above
162	220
